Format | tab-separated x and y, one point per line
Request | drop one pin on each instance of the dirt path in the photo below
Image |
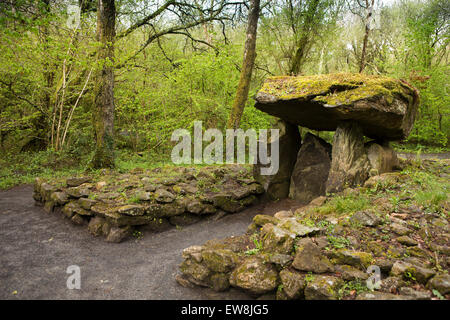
36	249
444	155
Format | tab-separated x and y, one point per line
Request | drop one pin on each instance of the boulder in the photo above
323	288
308	257
118	234
76	181
310	172
382	157
365	218
277	185
441	283
255	276
219	260
293	283
384	107
349	165
277	240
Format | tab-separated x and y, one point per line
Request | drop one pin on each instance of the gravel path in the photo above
36	249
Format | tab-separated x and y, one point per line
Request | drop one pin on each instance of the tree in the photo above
247	66
103	107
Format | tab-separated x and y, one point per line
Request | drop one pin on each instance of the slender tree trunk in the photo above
300	53
247	67
103	108
362	64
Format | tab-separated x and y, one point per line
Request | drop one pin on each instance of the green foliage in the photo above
344	204
338	242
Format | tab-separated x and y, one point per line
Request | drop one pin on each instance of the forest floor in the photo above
37	248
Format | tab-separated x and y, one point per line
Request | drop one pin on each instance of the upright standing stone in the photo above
310	172
382	157
349	163
277	185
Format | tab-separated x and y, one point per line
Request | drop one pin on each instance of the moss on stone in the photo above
336	89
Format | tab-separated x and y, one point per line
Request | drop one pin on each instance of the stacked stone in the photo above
156	202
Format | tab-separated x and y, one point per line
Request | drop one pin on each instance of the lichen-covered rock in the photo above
349	165
277	185
86	203
78	220
131	210
59	198
193	252
415	294
78	192
410	271
77	181
310	172
382	157
219	260
441	283
164	196
255	276
225	202
219	281
308	257
293	283
298	229
353	258
407	241
195	272
375	295
350	273
384	107
262	219
118	234
323	288
365	218
277	240
283	214
95	226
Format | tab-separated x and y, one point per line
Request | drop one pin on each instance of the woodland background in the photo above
180	61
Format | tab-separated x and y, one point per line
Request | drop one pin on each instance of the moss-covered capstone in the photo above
384	107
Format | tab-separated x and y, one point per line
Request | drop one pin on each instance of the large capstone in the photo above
310	172
384	107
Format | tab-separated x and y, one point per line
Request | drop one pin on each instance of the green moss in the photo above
334	89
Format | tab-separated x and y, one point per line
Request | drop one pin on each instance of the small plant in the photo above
258	245
309	277
438	294
351	288
138	234
338	242
395	201
409	275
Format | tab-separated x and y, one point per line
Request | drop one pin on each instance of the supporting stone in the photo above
382	157
311	169
349	165
277	185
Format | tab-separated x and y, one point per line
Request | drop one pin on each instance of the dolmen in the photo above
366	112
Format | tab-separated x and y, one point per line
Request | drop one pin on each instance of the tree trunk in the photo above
362	64
247	67
300	53
103	108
